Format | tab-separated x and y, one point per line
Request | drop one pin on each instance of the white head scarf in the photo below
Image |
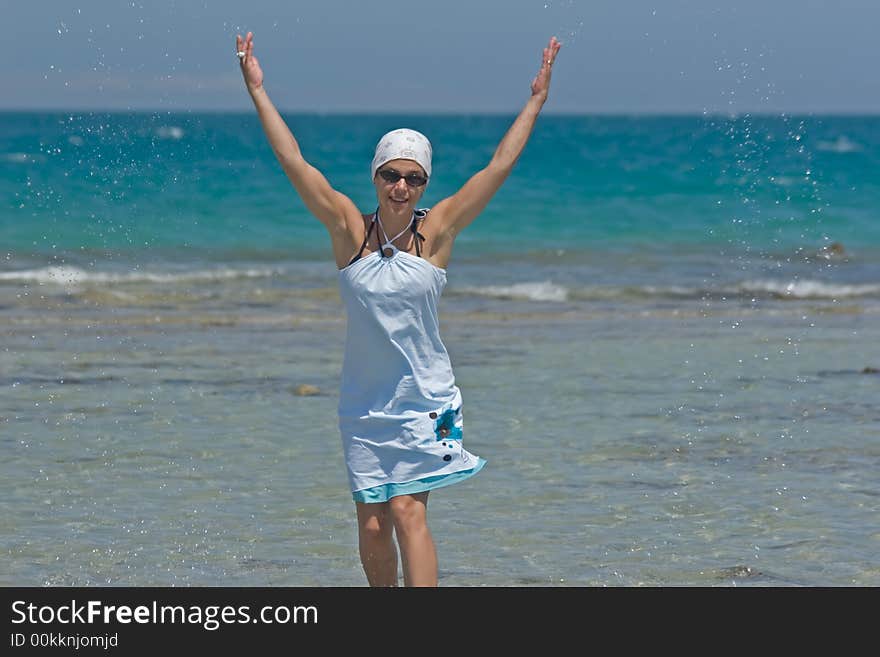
403	144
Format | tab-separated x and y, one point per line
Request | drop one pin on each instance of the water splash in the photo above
569	19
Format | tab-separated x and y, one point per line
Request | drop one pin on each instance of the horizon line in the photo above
440	113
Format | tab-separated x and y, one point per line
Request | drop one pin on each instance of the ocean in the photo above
665	330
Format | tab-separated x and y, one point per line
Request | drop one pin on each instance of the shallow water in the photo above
623	450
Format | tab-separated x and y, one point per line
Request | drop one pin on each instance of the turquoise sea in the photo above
665	330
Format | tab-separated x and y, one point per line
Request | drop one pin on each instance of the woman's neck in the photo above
395	221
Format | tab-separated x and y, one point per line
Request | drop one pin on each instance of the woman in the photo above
399	408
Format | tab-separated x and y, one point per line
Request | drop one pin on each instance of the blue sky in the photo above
621	56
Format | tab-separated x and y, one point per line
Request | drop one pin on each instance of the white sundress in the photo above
400	411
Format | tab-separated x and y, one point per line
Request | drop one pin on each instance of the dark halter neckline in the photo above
413	227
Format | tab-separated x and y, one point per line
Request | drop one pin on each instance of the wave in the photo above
547	291
840	145
762	289
68	275
170	132
538	291
22	158
807	289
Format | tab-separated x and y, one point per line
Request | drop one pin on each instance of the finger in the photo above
239	47
551	50
242	48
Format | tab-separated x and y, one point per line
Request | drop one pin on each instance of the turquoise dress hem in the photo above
385	492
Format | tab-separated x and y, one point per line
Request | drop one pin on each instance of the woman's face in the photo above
400	195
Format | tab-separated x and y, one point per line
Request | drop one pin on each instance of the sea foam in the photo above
533	291
69	275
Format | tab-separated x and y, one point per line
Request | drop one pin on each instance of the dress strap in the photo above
366	239
418	215
419	238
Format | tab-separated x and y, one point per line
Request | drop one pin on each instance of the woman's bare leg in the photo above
409	514
376	543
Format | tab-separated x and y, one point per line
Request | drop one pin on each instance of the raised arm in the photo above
460	209
328	205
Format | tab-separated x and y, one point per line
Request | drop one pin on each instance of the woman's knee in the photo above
374	523
409	512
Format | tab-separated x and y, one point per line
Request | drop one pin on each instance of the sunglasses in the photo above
412	179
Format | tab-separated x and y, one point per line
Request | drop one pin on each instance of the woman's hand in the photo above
541	83
250	67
